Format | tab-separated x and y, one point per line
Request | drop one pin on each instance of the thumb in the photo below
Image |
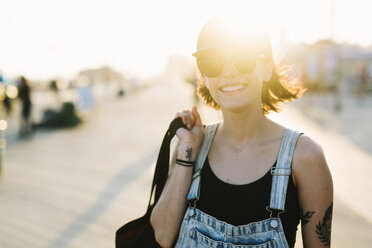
196	115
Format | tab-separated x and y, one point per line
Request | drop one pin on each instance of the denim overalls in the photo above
200	230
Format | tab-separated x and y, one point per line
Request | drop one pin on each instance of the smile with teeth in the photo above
231	88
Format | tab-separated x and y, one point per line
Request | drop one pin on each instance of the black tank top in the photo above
243	204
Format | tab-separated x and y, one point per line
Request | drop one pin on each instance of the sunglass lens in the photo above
210	67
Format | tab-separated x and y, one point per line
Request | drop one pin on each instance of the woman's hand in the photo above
190	138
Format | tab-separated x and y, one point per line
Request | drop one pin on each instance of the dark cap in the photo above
222	31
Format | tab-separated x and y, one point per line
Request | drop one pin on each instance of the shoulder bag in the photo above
139	232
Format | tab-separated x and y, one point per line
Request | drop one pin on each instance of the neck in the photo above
243	126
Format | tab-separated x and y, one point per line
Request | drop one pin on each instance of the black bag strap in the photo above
162	163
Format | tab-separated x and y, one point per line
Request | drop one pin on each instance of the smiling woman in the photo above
252	179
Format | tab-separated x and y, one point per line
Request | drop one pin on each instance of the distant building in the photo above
322	65
103	75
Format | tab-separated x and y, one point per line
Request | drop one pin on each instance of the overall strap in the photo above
209	133
282	171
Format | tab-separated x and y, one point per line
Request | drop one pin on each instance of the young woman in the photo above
254	180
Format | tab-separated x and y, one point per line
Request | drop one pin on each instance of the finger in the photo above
196	115
189	119
184	117
179	114
192	117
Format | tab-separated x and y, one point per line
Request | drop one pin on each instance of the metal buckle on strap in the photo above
277	171
192	206
196	174
272	211
192	202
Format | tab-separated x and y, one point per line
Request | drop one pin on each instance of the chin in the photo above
239	105
234	107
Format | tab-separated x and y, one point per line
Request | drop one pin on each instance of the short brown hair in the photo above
280	88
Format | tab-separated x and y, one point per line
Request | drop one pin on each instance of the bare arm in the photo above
315	190
168	213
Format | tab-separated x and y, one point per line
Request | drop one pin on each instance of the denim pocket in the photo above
204	240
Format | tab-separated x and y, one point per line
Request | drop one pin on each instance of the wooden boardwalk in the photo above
74	188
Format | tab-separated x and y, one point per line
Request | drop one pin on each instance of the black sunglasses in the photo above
213	67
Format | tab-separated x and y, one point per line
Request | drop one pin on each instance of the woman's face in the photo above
234	90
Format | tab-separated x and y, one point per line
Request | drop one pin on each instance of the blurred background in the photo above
88	88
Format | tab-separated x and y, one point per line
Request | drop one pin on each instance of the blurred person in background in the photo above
24	94
7	100
363	81
8	103
248	191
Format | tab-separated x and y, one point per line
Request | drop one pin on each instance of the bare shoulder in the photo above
307	150
308	159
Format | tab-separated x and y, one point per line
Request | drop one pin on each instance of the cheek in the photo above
210	84
254	81
212	90
207	84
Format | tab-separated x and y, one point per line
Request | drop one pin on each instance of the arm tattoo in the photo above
323	228
188	153
305	218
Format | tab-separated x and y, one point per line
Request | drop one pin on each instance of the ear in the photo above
268	69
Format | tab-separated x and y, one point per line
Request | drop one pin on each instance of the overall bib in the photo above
199	230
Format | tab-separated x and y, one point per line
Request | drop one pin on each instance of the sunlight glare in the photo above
48	38
11	91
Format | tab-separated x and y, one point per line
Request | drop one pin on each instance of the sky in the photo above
53	38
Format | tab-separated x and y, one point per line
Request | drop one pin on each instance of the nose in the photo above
228	66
